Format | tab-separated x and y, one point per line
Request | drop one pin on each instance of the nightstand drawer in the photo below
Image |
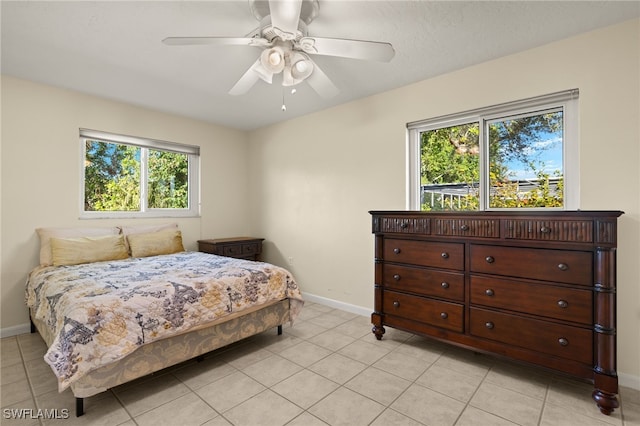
253	248
232	251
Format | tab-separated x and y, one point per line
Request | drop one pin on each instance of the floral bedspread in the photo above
100	312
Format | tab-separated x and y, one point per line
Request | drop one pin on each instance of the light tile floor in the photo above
328	369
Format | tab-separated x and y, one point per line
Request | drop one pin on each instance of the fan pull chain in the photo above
284	107
293	92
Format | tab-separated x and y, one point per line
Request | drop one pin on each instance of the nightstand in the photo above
239	247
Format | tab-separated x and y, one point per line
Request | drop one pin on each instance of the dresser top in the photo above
558	214
230	240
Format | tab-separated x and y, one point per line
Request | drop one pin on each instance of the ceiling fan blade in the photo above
285	15
319	81
355	49
247	81
220	41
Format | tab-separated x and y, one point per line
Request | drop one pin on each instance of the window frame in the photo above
193	156
566	100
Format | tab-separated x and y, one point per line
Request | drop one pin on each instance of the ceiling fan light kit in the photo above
283	36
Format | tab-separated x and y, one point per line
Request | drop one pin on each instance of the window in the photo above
129	176
520	155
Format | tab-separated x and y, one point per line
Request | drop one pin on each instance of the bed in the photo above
109	321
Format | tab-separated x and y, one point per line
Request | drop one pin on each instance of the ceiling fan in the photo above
287	47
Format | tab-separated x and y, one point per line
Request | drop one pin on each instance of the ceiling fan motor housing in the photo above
269	33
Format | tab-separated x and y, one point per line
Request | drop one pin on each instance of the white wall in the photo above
318	176
41	162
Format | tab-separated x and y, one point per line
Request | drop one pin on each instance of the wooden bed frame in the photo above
164	353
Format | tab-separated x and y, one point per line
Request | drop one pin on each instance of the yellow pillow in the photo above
73	251
144	229
46	234
155	243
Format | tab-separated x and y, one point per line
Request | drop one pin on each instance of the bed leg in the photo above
280	330
33	326
79	407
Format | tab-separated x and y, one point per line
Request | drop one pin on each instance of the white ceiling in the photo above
113	49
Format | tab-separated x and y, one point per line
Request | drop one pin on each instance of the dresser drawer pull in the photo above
489	259
396	250
443	315
489	325
545	230
563	341
563	266
396	277
489	292
444	285
563	303
464	227
444	255
396	304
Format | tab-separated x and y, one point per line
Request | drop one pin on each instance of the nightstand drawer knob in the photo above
396	277
445	255
396	250
563	341
404	225
489	259
563	303
489	325
396	304
444	315
464	227
444	285
545	230
563	266
489	292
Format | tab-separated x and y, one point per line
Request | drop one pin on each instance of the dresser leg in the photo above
607	402
378	331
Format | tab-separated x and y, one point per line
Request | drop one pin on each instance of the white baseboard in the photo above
337	304
15	330
626	380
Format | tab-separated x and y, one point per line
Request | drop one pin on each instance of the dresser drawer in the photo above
550	230
406	225
564	341
433	312
573	267
424	253
466	227
429	282
568	304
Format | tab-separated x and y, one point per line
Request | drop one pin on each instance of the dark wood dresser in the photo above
538	287
238	247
